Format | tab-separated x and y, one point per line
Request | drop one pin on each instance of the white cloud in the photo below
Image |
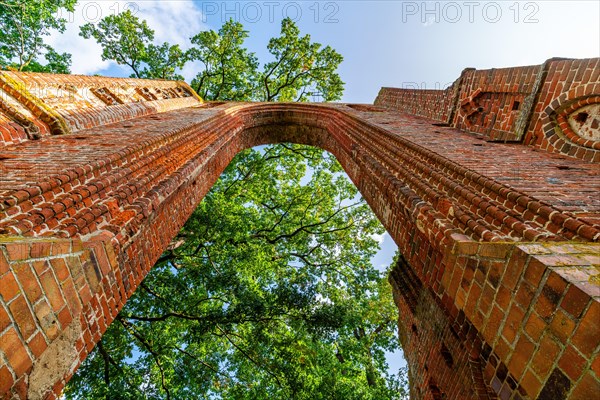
430	21
191	69
173	21
378	238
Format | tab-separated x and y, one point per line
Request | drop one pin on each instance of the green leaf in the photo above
23	26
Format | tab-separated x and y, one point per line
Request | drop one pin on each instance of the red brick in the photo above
551	295
572	363
39	267
22	316
6	379
14	350
562	326
596	365
493	325
587	388
556	282
8	287
531	384
40	249
521	357
4	267
525	293
586	334
534	272
502	349
37	344
64	317
28	282
17	251
4	318
20	388
503	297
61	248
575	301
514	268
52	291
60	268
71	297
545	356
514	320
535	326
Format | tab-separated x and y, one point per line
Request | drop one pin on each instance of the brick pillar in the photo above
507	321
57	297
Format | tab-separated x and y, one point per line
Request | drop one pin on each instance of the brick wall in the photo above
522	104
57	298
569	86
33	104
486	306
433	104
522	323
491	101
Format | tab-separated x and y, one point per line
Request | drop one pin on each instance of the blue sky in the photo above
384	43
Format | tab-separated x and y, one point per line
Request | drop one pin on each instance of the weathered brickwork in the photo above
520	314
33	105
529	104
58	297
569	86
498	288
433	104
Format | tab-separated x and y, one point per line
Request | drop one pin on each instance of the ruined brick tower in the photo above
490	188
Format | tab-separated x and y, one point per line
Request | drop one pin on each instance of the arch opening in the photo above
233	224
130	194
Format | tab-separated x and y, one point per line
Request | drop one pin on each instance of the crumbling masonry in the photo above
490	188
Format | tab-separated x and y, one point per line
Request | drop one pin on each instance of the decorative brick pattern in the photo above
33	105
490	101
497	287
569	85
515	316
529	104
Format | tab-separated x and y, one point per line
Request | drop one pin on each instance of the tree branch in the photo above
129	328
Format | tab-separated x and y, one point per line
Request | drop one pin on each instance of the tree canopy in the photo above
123	38
230	70
267	293
300	69
23	26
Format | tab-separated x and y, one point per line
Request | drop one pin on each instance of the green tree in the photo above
301	69
127	40
123	38
163	62
267	292
230	70
23	26
55	63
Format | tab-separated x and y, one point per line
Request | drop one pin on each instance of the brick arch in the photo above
84	216
116	214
